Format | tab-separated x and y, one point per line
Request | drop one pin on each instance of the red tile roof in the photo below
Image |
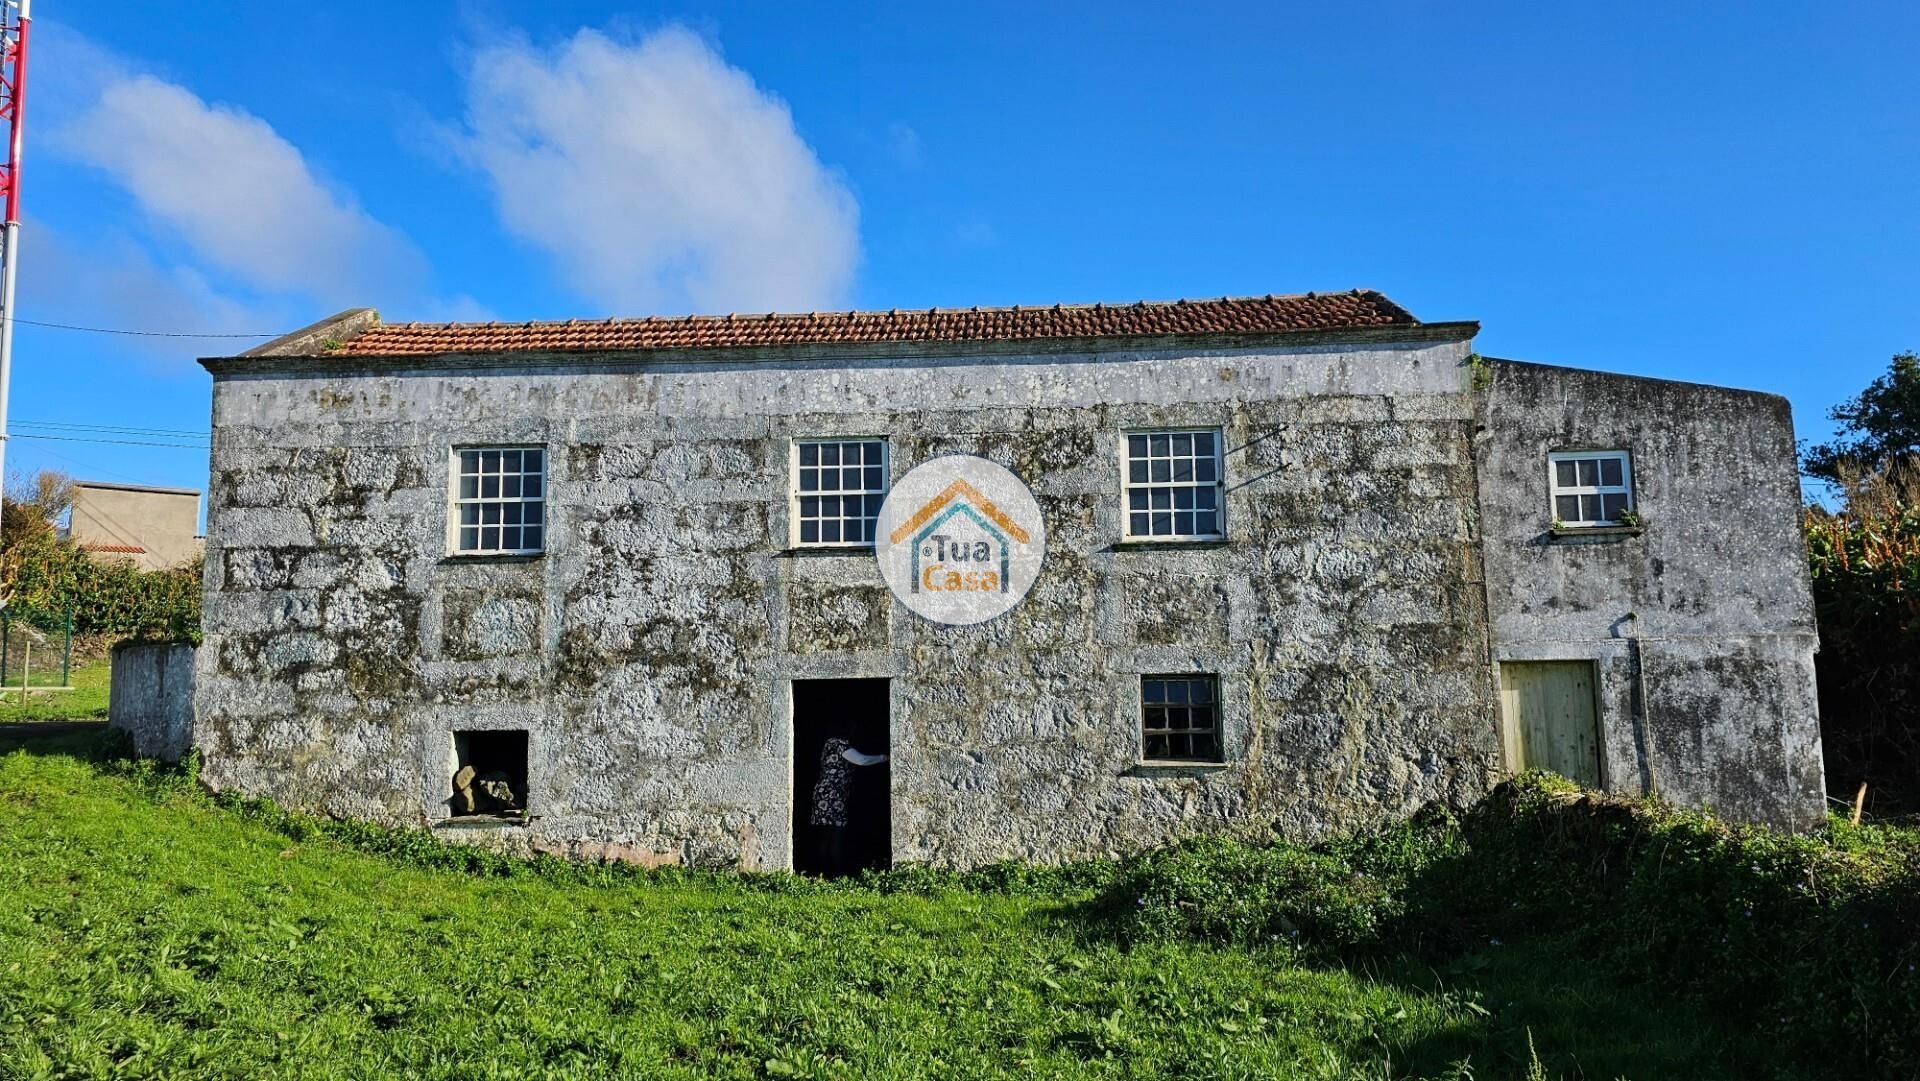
110	548
1227	315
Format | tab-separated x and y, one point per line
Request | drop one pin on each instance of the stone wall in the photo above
1701	624
150	697
649	652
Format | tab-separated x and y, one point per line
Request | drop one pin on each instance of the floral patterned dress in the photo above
836	780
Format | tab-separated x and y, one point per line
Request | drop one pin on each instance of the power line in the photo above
123	442
65	426
139	333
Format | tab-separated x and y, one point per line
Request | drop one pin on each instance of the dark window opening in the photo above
1180	718
845	825
490	774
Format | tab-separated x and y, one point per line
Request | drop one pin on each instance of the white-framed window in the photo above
499	501
1180	719
838	486
1590	487
1172	485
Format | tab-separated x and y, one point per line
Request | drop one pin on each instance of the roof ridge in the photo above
729	317
1268	314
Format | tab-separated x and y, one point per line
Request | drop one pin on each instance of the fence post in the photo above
66	654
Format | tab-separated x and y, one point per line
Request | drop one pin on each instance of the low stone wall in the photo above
152	697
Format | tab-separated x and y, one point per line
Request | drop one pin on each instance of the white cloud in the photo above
241	197
658	177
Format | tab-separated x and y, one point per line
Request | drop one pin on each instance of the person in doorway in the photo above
838	760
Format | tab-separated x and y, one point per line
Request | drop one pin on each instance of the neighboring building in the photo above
1310	564
156	528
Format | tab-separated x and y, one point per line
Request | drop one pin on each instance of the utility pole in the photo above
17	18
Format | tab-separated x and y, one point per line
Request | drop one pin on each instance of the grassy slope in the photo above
88	699
145	932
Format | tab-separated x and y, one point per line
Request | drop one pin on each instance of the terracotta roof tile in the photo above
111	548
1227	315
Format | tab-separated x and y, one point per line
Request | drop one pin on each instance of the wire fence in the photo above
36	647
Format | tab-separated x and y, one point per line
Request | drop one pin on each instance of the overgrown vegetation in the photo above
1866	586
1818	935
148	930
107	597
43	575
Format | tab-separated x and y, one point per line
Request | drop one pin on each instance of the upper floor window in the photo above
1590	487
499	500
838	486
1173	485
1180	718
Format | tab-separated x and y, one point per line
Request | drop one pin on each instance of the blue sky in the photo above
1658	189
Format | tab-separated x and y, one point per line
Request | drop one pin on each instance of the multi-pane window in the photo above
1590	487
1180	718
1173	484
838	486
499	500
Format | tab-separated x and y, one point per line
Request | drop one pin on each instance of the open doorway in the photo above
854	711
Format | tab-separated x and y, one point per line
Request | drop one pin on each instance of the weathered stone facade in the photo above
1701	623
649	651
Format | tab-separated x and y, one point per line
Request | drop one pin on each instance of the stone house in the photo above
1310	563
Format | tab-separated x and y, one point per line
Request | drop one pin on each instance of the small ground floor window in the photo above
1180	718
490	773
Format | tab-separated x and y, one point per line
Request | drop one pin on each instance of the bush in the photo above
1318	900
1815	934
109	598
1866	591
1812	933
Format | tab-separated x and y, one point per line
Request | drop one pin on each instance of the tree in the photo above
33	508
1879	441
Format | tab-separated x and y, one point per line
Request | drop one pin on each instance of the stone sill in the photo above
481	822
1174	769
1177	545
455	561
1597	531
812	550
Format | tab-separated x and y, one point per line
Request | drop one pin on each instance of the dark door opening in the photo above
854	710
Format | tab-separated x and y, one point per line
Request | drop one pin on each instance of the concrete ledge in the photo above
1596	532
813	551
1162	770
1168	545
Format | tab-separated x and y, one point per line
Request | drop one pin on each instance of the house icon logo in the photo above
960	540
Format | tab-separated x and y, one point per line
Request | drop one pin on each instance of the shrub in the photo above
1328	898
1815	934
1866	590
110	598
1812	933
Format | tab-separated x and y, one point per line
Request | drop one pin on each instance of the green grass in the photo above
146	931
87	700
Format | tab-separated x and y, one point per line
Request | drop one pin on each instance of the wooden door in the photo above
1547	709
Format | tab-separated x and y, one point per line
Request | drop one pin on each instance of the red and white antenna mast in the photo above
16	18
